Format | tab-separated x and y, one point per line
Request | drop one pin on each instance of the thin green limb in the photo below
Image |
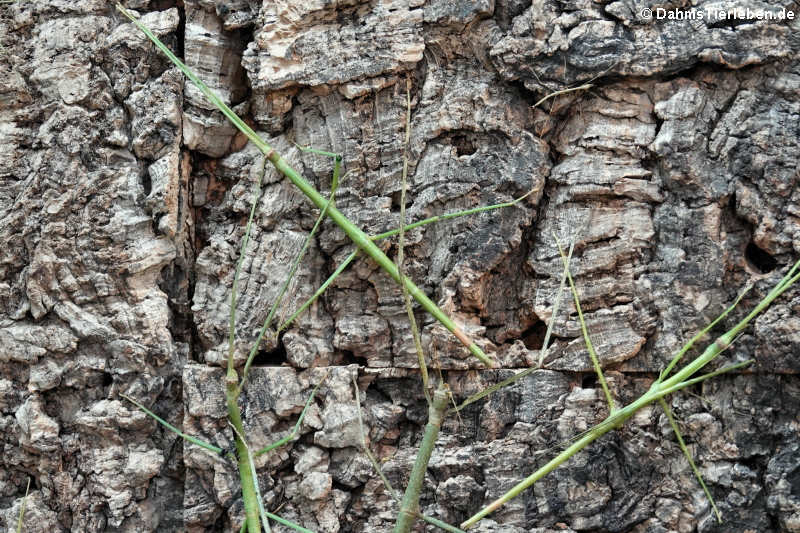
297	424
657	391
259	498
337	162
423	367
557	303
688	455
407	227
337	165
536	476
359	238
727	338
366	449
493	388
235	288
788	278
613	421
442	525
208	93
448	216
292	272
545	345
246	477
662	393
385	235
699	379
409	508
172	428
319	291
678	356
22	507
290	525
377	468
587	340
391	233
336	157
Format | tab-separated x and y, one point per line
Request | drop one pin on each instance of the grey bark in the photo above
123	197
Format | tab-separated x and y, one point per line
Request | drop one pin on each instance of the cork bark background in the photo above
123	198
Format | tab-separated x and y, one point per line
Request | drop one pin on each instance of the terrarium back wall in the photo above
124	196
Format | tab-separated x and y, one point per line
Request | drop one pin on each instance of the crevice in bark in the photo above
347	357
272	358
758	259
589	381
464	145
178	284
180	33
245	35
396	202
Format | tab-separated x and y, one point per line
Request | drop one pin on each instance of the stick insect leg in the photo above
296	428
676	359
337	166
334	185
682	444
380	236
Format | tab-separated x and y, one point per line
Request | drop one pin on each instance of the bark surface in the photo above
124	197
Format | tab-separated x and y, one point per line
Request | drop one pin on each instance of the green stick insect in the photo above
660	388
256	516
359	238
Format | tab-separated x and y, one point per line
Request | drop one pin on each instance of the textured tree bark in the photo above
123	197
